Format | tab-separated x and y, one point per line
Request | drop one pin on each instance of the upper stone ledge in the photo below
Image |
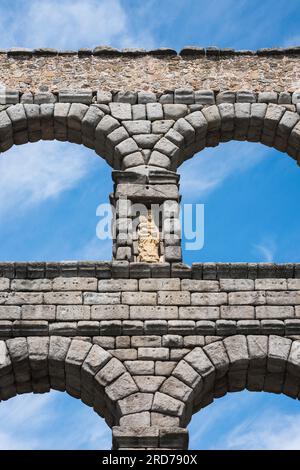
185	52
124	269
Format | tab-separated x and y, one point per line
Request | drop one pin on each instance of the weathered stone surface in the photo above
236	284
279	349
151	312
268	311
154	111
163	403
176	389
73	284
135	403
149	383
209	298
73	312
121	387
199	313
237	350
36	312
110	372
219	357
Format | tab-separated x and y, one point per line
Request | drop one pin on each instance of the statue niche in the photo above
148	239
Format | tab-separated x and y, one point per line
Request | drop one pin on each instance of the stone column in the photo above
146	225
151	437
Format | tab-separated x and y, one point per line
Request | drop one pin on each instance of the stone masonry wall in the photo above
148	345
111	309
158	70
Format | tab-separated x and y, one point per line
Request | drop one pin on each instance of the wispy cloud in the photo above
70	24
265	250
272	430
247	420
38	172
51	421
207	170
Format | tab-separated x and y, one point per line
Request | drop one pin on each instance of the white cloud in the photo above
207	170
266	250
51	421
272	430
247	420
38	172
67	24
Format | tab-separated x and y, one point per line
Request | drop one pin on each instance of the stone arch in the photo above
253	362
271	124
84	370
73	122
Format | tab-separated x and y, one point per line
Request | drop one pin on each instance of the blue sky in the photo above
50	192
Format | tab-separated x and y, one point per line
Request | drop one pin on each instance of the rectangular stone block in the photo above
274	312
5	328
140	367
117	285
159	284
152	313
124	354
246	327
139	298
219	298
62	298
271	284
292	327
247	298
205	327
161	354
38	312
181	327
154	111
174	298
10	313
107	298
20	298
30	328
75	283
31	285
63	328
199	313
73	312
172	341
272	327
226	327
76	96
195	285
88	328
236	284
193	341
293	284
155	327
234	312
132	327
146	341
106	342
283	298
110	327
110	312
4	283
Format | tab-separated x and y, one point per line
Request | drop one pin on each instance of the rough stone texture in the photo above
115	71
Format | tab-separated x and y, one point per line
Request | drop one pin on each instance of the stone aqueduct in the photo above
147	344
